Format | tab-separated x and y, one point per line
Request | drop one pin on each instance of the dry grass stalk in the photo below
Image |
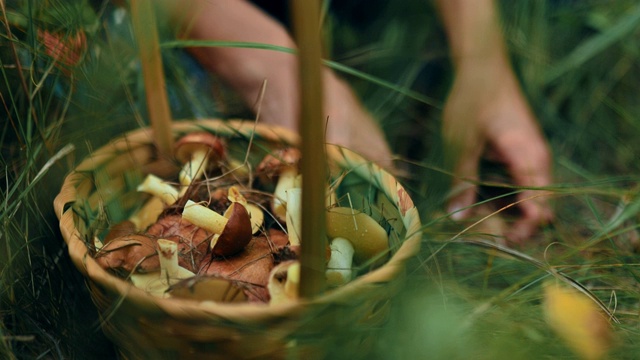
144	26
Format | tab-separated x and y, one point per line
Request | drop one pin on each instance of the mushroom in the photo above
195	150
233	232
284	281
284	165
148	213
339	266
193	241
253	265
157	187
367	238
255	213
294	215
157	283
163	195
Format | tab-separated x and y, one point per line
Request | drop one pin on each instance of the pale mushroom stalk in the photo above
204	217
283	164
288	179
168	251
356	236
284	283
158	282
231	232
195	151
194	168
157	187
339	270
239	168
292	285
148	213
294	215
163	195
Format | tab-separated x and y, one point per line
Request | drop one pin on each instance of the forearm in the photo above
348	123
474	32
243	69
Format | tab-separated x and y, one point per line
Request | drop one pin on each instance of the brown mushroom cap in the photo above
252	265
236	234
196	141
272	163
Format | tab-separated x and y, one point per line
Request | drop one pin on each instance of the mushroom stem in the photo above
155	186
294	215
148	213
292	284
194	151
339	267
194	168
157	283
231	232
168	251
284	283
163	194
204	217
288	179
369	239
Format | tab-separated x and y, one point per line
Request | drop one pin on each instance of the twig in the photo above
306	16
144	27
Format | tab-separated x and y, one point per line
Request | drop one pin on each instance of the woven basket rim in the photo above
237	312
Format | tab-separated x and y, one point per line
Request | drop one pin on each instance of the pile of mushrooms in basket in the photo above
221	233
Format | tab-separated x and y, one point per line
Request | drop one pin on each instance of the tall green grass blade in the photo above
331	64
595	45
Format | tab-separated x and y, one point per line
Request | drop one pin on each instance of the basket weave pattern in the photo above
147	327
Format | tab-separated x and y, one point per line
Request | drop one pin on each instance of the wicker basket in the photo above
143	326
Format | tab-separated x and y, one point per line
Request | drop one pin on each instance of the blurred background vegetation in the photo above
579	66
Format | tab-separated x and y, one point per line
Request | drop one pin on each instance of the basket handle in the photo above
146	35
306	21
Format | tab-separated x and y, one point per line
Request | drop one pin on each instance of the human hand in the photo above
487	114
350	125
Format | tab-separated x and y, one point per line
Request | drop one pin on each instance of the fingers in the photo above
535	211
527	158
463	188
528	161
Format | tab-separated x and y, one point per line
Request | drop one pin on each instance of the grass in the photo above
577	62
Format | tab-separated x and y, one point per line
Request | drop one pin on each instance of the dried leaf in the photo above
578	321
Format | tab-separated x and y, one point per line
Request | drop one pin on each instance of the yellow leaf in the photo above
577	320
